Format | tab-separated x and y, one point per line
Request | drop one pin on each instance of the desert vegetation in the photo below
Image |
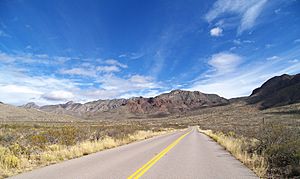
267	141
242	149
25	146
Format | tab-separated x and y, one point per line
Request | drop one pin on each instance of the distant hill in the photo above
277	91
12	113
175	102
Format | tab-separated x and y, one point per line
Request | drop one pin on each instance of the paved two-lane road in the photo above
170	156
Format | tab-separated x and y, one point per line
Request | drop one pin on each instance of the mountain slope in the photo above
12	113
177	101
277	91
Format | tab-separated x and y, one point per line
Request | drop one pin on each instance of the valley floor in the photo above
194	156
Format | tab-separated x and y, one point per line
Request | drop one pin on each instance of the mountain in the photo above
277	91
175	102
13	113
30	106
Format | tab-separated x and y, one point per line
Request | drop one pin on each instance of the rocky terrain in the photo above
11	113
175	102
277	91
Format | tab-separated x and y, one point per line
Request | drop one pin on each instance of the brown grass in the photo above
24	147
275	130
238	148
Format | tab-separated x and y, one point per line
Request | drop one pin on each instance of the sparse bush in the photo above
68	135
38	141
24	146
242	149
7	159
280	146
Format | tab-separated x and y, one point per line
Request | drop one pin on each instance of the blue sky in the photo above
55	51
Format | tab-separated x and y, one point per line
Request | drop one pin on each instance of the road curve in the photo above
173	156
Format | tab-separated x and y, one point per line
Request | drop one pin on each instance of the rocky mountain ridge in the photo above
277	91
175	102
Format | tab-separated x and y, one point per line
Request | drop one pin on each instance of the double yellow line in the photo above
151	162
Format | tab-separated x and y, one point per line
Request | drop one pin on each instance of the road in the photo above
182	154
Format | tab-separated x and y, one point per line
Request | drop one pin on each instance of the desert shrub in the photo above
7	159
25	146
68	135
280	146
17	149
241	148
38	140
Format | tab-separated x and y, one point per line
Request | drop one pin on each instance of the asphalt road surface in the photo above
185	154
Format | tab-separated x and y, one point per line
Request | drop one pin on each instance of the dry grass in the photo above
238	147
277	131
57	153
25	147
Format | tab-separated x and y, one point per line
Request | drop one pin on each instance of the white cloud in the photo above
108	69
112	86
273	58
78	71
139	79
28	58
246	10
237	41
132	56
90	70
19	86
247	77
116	63
17	94
244	81
224	62
217	31
16	87
59	95
5	58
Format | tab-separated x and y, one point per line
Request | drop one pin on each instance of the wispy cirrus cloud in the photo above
79	72
247	11
92	70
116	63
29	58
132	56
108	69
4	34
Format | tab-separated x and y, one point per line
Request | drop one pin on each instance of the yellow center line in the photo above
137	174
